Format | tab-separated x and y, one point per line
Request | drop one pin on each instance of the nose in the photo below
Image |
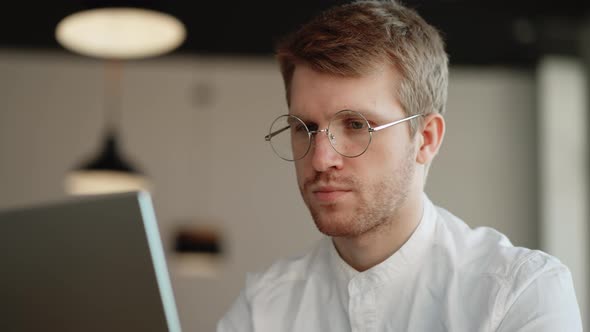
323	155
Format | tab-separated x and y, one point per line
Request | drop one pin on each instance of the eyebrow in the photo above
365	112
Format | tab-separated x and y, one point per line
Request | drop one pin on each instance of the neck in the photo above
366	250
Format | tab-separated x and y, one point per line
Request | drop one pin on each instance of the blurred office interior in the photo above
515	156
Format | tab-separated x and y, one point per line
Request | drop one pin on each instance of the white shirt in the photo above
446	277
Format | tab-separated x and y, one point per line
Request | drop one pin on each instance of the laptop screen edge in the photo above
159	259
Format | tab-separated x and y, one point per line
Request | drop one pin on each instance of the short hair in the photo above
353	39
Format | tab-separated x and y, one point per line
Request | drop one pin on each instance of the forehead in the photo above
316	95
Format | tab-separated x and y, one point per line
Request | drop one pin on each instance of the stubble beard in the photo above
378	203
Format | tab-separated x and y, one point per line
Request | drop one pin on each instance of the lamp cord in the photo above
112	95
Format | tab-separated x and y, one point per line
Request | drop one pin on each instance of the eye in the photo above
298	127
312	126
355	124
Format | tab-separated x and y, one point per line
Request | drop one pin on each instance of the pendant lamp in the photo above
110	171
115	34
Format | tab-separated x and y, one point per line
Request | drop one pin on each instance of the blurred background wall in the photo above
514	158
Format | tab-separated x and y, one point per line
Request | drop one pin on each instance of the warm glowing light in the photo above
91	182
120	33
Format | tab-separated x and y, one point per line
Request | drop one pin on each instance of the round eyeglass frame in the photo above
310	133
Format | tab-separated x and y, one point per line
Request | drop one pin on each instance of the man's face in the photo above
350	196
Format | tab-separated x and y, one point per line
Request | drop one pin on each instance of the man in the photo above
366	85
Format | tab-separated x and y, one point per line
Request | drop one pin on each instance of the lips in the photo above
329	194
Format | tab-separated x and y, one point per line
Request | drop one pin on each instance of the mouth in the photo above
329	195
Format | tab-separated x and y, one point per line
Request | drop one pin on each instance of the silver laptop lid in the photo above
87	264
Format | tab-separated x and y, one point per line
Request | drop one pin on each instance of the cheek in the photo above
367	171
300	171
382	160
390	146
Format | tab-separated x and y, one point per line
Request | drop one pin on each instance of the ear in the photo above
430	138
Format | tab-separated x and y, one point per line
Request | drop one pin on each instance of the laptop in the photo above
86	264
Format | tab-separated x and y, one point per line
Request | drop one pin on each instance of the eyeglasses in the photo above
349	133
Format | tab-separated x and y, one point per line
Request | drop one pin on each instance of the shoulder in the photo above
530	267
488	249
485	254
537	292
483	251
518	282
288	272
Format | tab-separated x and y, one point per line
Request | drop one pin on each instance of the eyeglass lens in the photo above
348	133
289	137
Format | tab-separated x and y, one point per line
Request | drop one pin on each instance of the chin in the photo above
333	230
336	224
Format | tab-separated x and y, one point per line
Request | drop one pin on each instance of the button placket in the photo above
361	307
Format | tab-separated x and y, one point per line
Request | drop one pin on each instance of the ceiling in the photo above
477	32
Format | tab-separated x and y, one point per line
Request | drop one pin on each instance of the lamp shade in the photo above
120	33
109	172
